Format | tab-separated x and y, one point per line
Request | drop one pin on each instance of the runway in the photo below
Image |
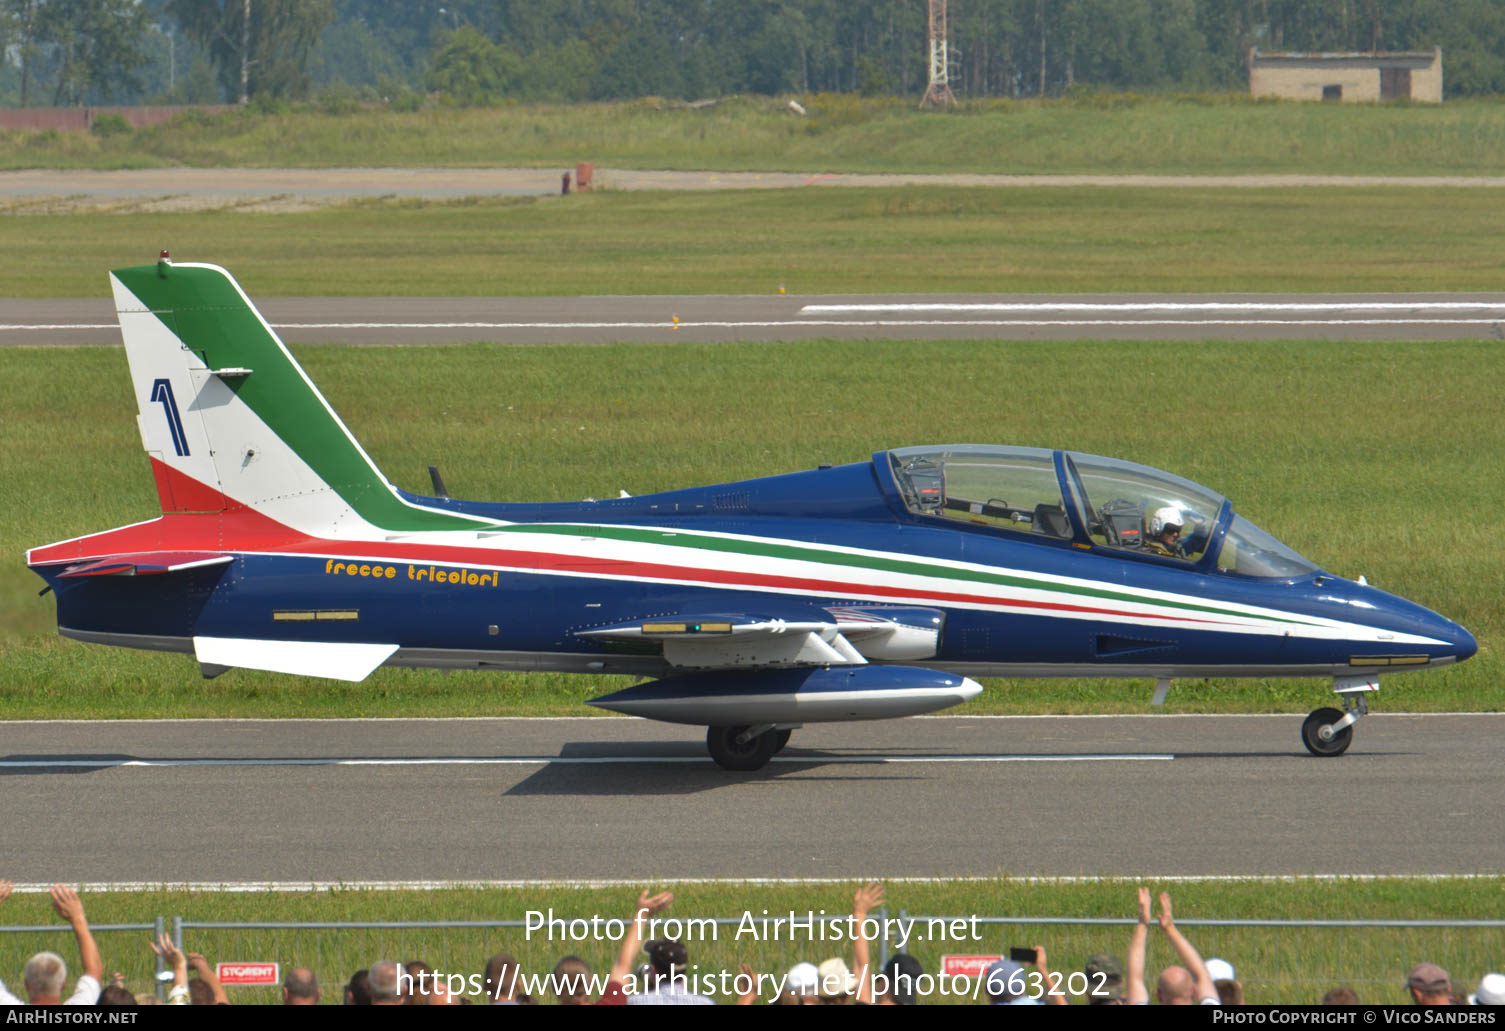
52	190
713	318
602	799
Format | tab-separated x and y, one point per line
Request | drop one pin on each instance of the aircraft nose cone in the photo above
1464	644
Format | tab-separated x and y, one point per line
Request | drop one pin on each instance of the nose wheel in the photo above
1320	738
1329	732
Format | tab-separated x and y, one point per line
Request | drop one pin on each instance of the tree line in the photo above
488	51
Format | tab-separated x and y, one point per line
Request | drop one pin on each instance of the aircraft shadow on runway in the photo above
80	762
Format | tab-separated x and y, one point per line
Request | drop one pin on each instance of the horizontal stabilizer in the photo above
148	564
738	641
331	659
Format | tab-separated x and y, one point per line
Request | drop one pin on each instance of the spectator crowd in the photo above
654	972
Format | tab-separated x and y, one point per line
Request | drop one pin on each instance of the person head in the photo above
1176	987
1001	980
1491	991
801	979
835	982
1105	980
1430	985
802	985
45	975
502	977
358	991
1220	970
668	956
1341	996
115	995
1166	523
416	983
899	976
382	982
199	992
300	988
1230	992
571	981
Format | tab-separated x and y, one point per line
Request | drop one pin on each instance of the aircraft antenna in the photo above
939	91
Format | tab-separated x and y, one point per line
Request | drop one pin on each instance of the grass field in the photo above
1094	133
1274	964
1374	458
917	239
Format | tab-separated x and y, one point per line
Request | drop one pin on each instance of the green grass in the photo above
1372	458
1104	134
1058	240
1292	965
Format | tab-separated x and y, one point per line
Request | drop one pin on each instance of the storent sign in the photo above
967	966
247	973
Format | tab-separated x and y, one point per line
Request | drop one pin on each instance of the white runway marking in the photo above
62	325
836	324
1113	307
554	760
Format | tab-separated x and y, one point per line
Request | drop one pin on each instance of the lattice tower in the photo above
939	89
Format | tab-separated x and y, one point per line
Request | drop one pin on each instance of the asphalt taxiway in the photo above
601	798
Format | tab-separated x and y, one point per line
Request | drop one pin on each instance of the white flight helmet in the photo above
1164	517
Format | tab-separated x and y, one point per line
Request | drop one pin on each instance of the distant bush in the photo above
110	125
266	104
830	110
338	99
194	117
45	138
405	100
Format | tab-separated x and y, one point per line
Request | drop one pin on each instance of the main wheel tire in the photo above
730	754
1311	733
781	737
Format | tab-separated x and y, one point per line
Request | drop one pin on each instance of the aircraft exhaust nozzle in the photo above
821	695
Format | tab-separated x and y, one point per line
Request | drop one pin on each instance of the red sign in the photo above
967	966
247	973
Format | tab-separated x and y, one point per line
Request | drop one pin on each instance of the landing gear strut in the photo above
1328	732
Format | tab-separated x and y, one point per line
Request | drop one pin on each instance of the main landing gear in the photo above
745	748
1329	732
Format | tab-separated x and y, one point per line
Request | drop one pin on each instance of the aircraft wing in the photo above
848	636
147	563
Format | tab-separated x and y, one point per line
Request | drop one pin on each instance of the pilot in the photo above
1164	536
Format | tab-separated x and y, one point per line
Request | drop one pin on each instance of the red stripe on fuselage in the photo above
243	530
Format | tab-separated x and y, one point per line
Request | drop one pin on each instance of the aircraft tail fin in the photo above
231	420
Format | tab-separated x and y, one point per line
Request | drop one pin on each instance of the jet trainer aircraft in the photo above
864	591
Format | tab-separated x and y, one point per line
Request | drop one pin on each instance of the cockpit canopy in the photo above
1111	504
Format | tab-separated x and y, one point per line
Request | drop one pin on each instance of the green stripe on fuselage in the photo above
688	539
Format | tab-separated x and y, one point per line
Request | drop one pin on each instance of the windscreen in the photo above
1249	551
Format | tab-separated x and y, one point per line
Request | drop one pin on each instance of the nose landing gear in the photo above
1328	732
